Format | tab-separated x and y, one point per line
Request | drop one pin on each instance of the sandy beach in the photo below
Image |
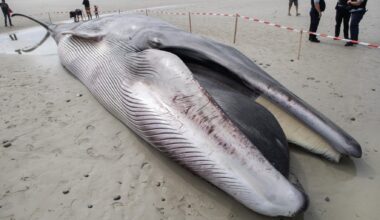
63	156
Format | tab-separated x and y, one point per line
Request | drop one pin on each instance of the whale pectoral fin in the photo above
97	36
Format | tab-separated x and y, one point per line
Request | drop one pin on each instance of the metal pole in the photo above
119	11
236	22
49	17
190	22
146	12
299	45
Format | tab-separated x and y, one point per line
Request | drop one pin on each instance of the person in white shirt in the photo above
317	7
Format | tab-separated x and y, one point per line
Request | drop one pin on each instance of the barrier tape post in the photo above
236	22
119	11
49	17
299	45
190	22
146	12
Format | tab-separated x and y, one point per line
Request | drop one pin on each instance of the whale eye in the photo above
155	42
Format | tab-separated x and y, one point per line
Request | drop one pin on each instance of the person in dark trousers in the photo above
342	14
73	15
86	4
6	11
317	7
358	9
295	2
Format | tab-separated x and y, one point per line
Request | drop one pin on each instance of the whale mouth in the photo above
302	124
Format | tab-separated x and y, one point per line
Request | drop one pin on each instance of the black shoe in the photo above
349	44
314	40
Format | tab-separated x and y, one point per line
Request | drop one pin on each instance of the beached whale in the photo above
204	104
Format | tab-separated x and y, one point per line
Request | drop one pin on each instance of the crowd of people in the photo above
350	12
77	13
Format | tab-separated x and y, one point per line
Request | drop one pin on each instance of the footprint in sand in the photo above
7	144
49	104
83	141
90	128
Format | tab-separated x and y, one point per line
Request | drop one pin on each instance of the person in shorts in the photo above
295	2
86	4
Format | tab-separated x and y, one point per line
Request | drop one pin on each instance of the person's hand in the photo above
320	14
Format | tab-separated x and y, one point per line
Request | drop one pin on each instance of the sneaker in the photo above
349	44
289	14
314	40
298	14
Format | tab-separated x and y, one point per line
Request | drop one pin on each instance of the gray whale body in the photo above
204	104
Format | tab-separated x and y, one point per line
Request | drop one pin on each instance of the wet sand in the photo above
63	156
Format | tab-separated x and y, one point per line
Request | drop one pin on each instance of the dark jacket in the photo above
322	5
4	8
361	6
342	6
342	2
86	3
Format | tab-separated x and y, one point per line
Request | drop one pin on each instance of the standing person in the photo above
6	11
317	7
73	15
96	11
86	4
78	14
358	9
342	13
295	2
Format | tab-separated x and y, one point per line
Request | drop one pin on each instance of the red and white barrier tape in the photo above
313	33
370	45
